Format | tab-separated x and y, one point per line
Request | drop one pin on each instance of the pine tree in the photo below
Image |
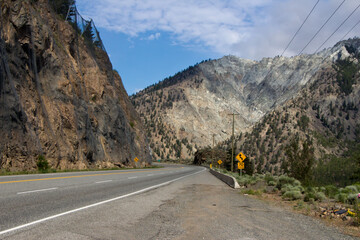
299	162
62	6
88	32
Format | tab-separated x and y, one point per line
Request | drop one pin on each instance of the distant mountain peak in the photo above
194	104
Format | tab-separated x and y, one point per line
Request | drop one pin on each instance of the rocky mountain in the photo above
192	109
324	114
60	98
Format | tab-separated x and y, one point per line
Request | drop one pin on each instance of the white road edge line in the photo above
96	204
40	190
104	181
132	177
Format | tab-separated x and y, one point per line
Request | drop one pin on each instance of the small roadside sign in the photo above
241	157
219	162
136	159
241	165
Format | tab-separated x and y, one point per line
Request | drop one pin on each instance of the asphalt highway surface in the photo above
175	202
27	200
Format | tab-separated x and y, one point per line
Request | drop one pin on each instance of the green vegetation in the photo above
299	162
42	164
346	73
291	189
325	141
88	34
304	122
62	6
251	192
339	171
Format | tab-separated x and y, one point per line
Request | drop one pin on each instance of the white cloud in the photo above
154	36
247	28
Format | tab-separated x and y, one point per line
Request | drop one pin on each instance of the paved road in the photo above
26	199
198	206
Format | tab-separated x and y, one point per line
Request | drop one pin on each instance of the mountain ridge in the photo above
221	87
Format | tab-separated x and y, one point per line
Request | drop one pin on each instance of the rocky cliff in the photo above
61	98
186	111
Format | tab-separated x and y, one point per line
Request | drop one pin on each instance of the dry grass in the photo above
312	210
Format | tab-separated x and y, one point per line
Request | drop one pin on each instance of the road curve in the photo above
31	199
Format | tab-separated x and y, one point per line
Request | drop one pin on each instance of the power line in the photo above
337	28
350	30
322	27
300	27
271	68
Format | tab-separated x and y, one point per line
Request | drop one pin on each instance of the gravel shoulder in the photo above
215	211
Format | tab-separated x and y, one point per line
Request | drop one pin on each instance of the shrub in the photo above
271	183
286	188
331	191
247	180
309	194
314	194
357	212
269	178
351	198
357	186
297	183
320	196
292	195
341	197
42	164
285	180
351	189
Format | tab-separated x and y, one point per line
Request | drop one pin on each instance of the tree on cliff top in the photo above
62	6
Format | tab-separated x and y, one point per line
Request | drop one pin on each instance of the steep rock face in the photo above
59	98
194	105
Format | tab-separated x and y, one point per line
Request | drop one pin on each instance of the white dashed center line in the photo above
40	190
104	181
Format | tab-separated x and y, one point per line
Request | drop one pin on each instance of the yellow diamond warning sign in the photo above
241	157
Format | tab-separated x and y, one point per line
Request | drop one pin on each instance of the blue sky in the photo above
143	61
148	40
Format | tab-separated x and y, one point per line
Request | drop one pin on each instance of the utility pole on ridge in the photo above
232	141
212	152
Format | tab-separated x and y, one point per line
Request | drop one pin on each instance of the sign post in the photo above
219	162
241	165
136	160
